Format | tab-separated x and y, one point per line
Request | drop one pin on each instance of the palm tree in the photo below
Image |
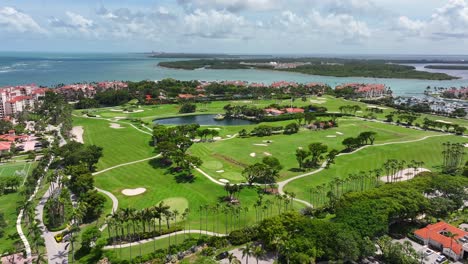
175	213
451	236
231	257
247	251
41	258
160	210
258	252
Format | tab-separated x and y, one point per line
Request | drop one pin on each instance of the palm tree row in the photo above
394	169
453	156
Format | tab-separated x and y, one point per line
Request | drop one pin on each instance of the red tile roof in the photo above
433	232
5	145
294	110
19	98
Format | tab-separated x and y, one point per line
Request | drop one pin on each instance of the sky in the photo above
236	26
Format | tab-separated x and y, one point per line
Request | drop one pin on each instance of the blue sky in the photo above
236	26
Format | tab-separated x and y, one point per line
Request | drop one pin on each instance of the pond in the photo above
203	120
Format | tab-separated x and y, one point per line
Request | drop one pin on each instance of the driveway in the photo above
430	259
57	253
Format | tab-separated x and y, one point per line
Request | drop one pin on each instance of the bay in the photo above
49	69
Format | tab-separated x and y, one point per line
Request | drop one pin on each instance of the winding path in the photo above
19	229
125	164
282	184
203	232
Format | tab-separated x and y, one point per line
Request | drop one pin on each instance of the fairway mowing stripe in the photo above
27	173
1	172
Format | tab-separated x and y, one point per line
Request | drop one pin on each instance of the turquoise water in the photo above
204	120
50	69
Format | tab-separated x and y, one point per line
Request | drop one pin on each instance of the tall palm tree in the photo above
247	251
452	237
160	210
258	252
175	213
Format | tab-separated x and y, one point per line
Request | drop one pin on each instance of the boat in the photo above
219	117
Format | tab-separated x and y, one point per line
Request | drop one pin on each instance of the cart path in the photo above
188	232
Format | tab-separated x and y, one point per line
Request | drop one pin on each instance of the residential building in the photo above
15	99
445	237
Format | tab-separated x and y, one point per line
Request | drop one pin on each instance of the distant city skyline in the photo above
236	26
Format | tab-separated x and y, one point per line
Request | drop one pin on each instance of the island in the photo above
315	66
447	67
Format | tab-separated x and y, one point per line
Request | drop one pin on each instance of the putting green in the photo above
177	203
232	176
213	165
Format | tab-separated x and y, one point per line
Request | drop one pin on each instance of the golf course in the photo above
131	170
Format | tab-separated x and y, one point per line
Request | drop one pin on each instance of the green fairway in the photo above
161	186
20	168
226	159
429	151
8	205
119	145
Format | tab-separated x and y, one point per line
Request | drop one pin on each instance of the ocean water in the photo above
49	69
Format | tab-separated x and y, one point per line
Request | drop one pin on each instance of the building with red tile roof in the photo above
273	111
14	99
367	90
436	235
293	110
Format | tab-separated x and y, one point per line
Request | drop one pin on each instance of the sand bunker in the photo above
331	136
263	145
217	138
339	133
318	101
443	121
223	180
267	141
77	133
466	145
299	147
403	175
116	110
253	154
115	125
132	112
267	153
220	171
133	192
214	128
119	117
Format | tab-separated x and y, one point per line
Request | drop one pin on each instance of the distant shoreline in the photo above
315	66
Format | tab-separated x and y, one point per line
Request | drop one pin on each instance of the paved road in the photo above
56	252
19	229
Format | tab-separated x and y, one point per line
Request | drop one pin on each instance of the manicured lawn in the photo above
20	168
119	145
231	156
8	205
124	253
163	186
428	151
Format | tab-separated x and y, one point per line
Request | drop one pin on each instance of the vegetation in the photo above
447	67
339	68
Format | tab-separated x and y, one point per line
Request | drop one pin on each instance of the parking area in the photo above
430	256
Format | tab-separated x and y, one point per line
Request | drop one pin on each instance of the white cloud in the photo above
14	20
231	5
410	26
448	21
79	22
213	24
